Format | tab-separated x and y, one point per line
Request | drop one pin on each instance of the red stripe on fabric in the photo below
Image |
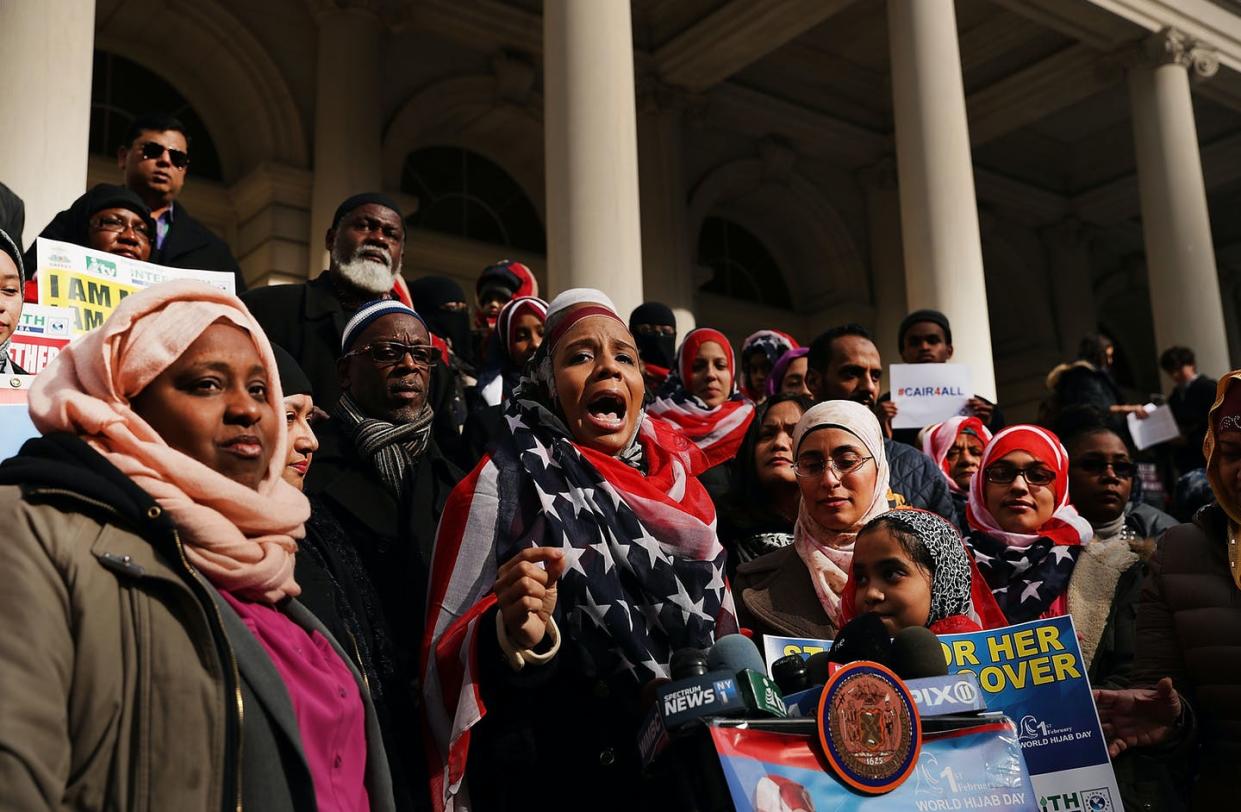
575	315
790	750
448	539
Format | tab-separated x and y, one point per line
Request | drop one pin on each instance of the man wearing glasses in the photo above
155	159
380	475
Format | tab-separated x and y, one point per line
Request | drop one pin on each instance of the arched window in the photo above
742	267
463	194
122	90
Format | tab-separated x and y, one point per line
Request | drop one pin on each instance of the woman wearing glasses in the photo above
107	218
842	472
1026	537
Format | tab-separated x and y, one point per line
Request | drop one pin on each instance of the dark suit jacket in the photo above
307	320
190	244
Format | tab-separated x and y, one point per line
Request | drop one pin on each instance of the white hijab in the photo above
828	554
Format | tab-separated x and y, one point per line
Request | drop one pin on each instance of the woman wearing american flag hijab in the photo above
569	565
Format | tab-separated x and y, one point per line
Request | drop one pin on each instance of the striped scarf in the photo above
391	447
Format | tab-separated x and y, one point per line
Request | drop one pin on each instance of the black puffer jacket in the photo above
914	481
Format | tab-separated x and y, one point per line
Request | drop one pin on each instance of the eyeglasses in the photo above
387	353
153	149
1003	473
120	225
840	465
1122	468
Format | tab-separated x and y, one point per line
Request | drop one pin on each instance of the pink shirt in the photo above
326	702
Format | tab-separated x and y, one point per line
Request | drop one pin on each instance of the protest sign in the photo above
14	414
92	283
1034	673
926	394
1157	427
40	336
976	768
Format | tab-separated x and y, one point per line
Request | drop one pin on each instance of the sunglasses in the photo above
153	149
1096	467
1003	473
387	353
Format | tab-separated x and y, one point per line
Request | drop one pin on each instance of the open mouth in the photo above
607	411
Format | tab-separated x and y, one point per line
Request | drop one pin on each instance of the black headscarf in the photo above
293	380
73	225
430	294
659	350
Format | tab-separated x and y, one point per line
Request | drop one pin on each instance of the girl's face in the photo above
1019	506
527	336
710	378
889	583
963	459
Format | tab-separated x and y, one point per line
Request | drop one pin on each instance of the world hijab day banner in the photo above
1035	674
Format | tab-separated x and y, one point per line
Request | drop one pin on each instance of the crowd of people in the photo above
360	543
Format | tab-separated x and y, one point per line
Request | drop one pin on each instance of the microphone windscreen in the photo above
863	638
687	662
917	653
790	674
817	668
733	653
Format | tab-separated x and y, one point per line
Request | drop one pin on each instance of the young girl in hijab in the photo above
789	374
759	353
702	397
911	568
842	471
1025	537
956	446
518	333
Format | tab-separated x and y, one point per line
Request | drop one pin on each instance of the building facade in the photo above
1038	169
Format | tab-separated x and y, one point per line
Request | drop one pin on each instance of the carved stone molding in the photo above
1173	47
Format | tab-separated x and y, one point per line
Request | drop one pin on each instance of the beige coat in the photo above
119	688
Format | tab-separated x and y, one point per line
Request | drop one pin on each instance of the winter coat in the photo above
915	481
1189	622
129	683
774	595
1081	383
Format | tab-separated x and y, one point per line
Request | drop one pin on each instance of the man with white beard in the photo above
365	243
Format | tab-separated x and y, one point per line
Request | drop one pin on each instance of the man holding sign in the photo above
925	337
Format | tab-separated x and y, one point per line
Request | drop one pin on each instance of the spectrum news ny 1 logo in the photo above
1089	800
700	696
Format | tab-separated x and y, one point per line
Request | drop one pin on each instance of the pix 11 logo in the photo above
1090	800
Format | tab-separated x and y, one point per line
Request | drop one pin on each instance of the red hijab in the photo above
941	437
1065	526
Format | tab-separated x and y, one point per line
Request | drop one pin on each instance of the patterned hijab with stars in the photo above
1027	572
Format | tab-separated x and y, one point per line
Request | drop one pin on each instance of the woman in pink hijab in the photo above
152	650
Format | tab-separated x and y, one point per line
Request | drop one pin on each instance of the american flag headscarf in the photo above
718	431
774	344
940	438
1027	571
645	572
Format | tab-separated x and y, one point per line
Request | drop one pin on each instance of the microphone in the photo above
790	674
737	654
863	638
688	662
916	653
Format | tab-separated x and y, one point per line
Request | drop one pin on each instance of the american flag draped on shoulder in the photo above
645	569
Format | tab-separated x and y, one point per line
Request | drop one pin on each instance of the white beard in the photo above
367	275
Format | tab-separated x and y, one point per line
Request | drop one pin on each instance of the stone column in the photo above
939	214
887	263
1180	257
594	235
348	114
667	246
1072	284
47	48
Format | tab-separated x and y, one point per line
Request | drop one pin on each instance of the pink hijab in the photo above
242	540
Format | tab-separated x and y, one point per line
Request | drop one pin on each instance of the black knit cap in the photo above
933	316
378	198
293	380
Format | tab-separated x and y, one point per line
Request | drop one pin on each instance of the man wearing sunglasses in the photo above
380	474
155	160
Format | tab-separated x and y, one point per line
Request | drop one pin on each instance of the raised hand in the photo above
526	593
1138	717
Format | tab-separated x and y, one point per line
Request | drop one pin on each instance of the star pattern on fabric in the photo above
1031	590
